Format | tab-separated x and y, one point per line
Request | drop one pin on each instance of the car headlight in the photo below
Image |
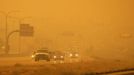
61	56
32	56
76	55
71	55
55	57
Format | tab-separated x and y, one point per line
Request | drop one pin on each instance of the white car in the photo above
41	55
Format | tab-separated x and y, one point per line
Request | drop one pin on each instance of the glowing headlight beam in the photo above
61	56
32	56
71	55
55	57
76	55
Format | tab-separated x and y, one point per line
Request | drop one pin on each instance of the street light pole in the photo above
6	34
6	30
20	22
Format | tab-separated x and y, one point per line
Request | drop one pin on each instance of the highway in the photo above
27	66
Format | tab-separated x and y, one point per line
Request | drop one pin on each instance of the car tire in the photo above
36	59
48	59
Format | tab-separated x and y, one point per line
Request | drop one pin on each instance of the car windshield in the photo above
42	51
66	37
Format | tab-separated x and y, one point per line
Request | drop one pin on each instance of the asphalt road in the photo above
8	61
27	66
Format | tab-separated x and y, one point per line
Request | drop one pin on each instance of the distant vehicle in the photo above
57	55
72	54
42	54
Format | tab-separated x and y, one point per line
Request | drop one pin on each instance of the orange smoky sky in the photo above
103	24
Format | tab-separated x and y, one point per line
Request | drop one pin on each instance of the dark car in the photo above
57	55
73	54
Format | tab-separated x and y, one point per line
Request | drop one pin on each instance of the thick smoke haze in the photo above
103	28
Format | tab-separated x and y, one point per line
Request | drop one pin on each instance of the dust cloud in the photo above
95	28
